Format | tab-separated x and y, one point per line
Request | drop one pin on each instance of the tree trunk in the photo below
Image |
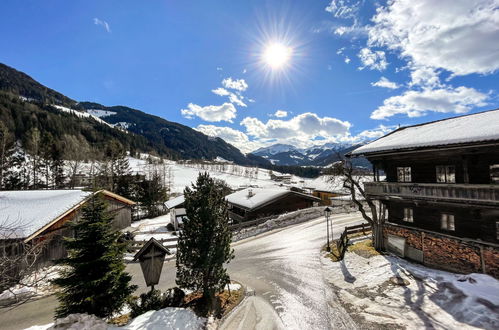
378	239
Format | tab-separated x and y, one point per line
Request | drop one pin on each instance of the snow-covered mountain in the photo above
274	149
317	155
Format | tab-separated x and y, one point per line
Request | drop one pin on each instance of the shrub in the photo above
170	227
155	300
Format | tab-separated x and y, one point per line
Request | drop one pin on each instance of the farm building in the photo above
36	216
441	191
253	203
177	210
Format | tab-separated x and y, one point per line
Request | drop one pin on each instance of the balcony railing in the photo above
453	192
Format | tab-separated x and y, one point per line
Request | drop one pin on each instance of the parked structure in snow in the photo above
325	196
177	210
253	203
35	216
441	191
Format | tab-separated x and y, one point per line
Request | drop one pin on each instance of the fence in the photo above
137	245
342	243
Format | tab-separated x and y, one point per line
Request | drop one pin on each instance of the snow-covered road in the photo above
282	266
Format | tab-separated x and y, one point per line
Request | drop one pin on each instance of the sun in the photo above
277	55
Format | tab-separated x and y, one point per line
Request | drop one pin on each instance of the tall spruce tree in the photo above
204	244
95	281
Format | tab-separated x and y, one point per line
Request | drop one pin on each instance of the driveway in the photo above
282	266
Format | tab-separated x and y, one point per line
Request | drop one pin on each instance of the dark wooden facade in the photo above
287	203
451	194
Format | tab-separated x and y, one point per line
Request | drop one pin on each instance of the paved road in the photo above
282	266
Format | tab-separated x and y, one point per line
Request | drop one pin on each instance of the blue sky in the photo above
354	69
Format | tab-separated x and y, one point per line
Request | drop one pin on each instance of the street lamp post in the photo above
327	211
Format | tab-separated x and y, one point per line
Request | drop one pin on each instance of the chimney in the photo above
250	193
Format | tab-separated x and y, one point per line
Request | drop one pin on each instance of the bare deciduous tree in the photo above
372	211
18	260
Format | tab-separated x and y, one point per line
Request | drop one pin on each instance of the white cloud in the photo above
425	76
343	9
417	103
303	127
384	82
281	114
236	84
212	113
220	91
237	99
233	97
375	133
102	23
374	60
458	36
347	60
230	135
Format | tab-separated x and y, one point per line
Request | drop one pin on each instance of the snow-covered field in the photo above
433	298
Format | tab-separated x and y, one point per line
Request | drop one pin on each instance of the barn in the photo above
36	216
254	203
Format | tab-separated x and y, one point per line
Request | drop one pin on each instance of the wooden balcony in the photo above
467	193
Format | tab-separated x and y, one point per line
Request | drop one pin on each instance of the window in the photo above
447	222
404	174
497	230
494	173
446	174
408	215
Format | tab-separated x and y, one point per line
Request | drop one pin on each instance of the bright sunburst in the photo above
277	55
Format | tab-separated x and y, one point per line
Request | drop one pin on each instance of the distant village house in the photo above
177	211
253	203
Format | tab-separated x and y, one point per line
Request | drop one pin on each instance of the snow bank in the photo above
36	284
168	318
284	220
74	322
433	298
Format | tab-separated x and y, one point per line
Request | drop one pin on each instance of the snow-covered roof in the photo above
259	196
479	127
24	213
253	197
174	202
29	210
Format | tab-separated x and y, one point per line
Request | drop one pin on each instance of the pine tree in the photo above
95	281
150	193
204	244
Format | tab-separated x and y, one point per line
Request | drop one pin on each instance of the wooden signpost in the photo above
151	258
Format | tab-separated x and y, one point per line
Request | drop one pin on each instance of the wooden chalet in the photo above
441	191
41	216
253	203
